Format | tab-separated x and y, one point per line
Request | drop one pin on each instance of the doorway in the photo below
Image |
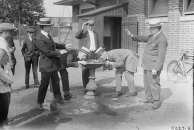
112	32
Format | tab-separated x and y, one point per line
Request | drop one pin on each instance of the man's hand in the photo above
63	51
68	46
154	72
129	32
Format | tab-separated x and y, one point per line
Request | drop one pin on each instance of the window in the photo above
157	8
189	6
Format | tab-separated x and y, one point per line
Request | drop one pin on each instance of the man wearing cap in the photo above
49	62
6	76
152	61
31	55
88	40
125	62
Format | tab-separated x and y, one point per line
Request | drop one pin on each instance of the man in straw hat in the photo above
6	76
89	42
49	62
31	55
152	61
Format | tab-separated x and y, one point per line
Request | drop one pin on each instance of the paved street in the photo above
102	113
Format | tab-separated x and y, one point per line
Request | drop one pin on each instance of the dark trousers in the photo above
65	80
152	85
34	63
4	107
45	80
13	69
85	76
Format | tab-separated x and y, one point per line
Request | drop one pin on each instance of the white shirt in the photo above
3	44
44	33
92	41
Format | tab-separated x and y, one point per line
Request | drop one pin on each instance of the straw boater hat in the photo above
7	27
154	23
44	22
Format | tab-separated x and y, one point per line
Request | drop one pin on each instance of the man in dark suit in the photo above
152	61
31	56
88	39
49	62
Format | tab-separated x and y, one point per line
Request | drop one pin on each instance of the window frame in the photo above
149	11
185	10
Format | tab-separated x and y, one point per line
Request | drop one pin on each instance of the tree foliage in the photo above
23	11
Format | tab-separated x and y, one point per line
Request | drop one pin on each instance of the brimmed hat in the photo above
44	22
30	29
154	23
7	27
90	22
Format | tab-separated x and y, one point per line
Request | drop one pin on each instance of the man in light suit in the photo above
88	39
31	56
125	61
152	61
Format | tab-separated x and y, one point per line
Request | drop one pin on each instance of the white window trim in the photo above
184	10
187	18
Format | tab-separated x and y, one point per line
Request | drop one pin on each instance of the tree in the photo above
22	11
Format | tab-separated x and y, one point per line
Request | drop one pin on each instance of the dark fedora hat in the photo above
44	22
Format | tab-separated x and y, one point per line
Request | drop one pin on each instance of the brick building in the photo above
112	16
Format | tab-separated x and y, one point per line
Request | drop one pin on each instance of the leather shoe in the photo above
117	94
156	104
147	100
67	96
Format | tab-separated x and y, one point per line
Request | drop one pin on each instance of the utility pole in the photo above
19	21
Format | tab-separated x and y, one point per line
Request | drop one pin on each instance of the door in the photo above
112	33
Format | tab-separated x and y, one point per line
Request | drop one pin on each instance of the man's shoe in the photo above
117	94
40	106
147	100
53	107
156	104
129	94
27	86
67	96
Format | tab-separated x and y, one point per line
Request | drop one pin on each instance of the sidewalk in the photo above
104	113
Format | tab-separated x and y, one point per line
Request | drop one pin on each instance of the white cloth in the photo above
3	44
92	41
30	38
44	33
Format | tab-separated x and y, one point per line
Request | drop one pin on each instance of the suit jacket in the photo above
124	59
85	39
49	56
11	45
154	52
29	50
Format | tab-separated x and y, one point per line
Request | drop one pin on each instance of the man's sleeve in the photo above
161	54
60	46
23	47
80	34
140	38
42	48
